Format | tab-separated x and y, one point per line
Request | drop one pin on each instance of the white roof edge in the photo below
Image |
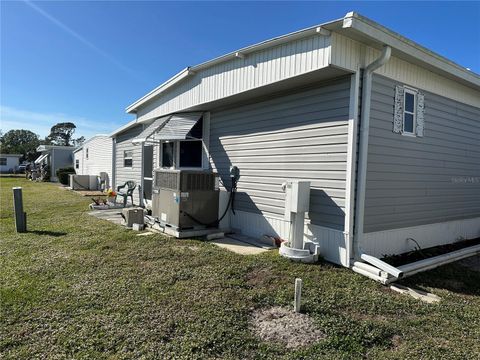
383	35
170	82
94	137
50	147
312	30
368	28
123	128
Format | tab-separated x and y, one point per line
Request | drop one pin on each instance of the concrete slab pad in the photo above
112	215
251	241
238	246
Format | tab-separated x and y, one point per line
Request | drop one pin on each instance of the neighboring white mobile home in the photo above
55	157
9	162
94	157
386	131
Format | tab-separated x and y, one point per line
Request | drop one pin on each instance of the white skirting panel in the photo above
331	241
397	241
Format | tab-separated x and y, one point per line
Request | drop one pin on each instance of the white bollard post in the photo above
20	216
298	295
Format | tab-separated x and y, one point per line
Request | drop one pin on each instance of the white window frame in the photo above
126	158
77	164
413	92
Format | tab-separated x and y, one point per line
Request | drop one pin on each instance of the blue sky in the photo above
86	61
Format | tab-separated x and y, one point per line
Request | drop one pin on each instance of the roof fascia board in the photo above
123	128
241	53
319	29
159	89
377	33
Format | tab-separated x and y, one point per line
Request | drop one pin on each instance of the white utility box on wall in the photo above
297	197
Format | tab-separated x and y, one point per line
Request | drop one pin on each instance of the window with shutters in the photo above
409	112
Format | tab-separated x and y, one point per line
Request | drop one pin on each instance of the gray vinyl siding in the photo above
62	158
300	135
414	181
122	173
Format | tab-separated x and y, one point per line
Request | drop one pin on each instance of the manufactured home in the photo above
94	158
9	162
385	131
54	157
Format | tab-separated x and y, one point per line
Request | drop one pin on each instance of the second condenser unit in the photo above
185	199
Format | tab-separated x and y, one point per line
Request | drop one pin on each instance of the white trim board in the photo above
351	162
396	241
331	241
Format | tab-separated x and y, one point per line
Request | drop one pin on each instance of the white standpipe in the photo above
297	202
297	230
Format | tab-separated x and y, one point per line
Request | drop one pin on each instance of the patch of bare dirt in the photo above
397	341
263	277
280	325
473	263
189	247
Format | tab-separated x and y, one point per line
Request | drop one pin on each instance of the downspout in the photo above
359	254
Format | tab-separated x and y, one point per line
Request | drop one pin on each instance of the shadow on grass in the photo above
452	277
47	233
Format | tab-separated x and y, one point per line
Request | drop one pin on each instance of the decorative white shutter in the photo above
398	115
420	115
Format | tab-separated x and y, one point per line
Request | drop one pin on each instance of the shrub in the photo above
63	174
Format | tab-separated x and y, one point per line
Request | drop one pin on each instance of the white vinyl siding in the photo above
238	75
350	54
99	158
9	163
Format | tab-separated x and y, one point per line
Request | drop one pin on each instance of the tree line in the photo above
25	142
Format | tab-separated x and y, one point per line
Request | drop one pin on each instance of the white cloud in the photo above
40	123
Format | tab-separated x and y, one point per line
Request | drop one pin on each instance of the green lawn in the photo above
78	287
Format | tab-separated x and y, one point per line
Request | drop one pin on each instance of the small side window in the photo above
168	154
191	154
3	161
128	158
77	164
86	153
409	113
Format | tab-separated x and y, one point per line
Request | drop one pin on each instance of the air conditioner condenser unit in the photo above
185	199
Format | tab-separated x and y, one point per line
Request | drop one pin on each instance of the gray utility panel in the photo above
185	199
